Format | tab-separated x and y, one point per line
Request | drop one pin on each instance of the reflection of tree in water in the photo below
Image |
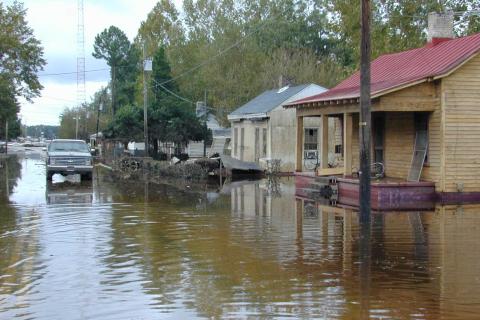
10	171
18	238
18	251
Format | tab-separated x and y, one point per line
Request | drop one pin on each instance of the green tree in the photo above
258	30
9	106
49	132
113	46
127	124
466	21
161	73
305	41
175	122
80	118
171	119
21	57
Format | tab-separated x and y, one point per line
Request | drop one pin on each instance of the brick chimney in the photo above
440	27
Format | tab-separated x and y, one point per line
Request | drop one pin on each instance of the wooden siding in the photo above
399	143
431	170
421	97
461	92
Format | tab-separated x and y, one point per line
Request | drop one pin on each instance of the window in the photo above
311	139
68	146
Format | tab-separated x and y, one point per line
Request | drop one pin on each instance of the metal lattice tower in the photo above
81	91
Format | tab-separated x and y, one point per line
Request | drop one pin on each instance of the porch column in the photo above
347	143
324	142
299	145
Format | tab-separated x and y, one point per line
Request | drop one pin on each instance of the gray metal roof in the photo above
268	101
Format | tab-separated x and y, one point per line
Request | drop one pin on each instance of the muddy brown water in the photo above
129	250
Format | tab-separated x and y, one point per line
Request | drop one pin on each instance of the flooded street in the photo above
111	249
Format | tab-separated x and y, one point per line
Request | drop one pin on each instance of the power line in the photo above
70	73
171	92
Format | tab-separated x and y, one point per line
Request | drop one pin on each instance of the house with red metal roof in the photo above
425	114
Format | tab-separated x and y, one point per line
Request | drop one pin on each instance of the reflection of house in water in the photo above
430	257
262	198
457	257
423	263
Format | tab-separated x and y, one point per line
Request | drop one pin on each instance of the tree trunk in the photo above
155	148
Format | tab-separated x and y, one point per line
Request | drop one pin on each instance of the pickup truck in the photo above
69	157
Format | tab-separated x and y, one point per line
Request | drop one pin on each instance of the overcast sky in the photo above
55	24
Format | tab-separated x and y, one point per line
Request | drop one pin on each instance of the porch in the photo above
386	193
409	175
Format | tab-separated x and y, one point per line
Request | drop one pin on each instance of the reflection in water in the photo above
67	192
10	169
18	241
131	250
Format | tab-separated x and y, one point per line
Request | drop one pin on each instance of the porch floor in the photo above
386	193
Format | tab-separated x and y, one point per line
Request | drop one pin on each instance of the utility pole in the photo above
147	66
365	116
99	108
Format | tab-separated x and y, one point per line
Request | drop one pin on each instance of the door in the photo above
378	126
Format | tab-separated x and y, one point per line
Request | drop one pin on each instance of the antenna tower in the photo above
81	92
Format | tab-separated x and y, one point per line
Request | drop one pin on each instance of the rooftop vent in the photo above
282	89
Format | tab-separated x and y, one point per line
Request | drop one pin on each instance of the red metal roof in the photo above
392	71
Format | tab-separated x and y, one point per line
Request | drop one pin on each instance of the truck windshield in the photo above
69	146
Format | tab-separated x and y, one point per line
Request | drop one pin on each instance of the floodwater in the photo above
130	250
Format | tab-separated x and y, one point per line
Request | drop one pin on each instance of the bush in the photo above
160	156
